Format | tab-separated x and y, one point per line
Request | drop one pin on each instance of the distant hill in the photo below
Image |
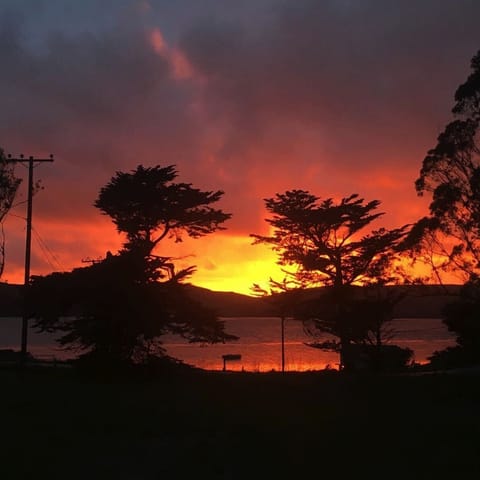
422	301
230	304
226	304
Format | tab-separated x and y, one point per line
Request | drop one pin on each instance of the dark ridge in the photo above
421	301
230	304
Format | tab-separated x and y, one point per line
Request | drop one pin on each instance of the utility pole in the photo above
28	244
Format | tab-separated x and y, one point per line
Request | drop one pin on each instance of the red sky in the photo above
253	98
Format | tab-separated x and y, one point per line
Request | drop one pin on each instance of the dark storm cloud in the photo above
366	74
358	83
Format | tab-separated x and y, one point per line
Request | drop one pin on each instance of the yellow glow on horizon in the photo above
229	263
224	261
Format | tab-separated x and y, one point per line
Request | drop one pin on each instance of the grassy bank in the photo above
214	425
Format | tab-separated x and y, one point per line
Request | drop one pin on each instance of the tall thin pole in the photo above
28	247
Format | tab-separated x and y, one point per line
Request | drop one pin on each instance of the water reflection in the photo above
259	344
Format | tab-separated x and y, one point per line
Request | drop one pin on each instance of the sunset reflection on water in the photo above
260	347
261	357
259	344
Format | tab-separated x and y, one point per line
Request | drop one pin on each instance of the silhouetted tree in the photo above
148	206
451	173
325	240
117	310
8	188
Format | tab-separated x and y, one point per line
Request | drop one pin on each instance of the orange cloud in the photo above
182	69
180	66
158	42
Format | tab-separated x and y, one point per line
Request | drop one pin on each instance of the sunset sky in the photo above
252	97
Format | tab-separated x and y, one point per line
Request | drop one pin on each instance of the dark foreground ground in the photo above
58	425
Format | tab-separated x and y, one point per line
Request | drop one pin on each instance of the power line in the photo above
28	239
47	252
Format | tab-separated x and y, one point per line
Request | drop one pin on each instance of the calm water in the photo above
259	344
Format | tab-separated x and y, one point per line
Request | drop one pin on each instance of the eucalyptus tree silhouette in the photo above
117	310
325	241
451	173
